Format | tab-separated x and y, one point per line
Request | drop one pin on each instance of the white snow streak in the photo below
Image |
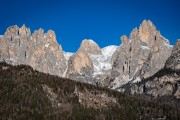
47	44
145	47
67	55
103	62
136	80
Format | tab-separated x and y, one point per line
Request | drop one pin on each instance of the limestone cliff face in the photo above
160	51
165	82
174	60
142	55
39	50
91	47
80	66
90	63
138	57
80	61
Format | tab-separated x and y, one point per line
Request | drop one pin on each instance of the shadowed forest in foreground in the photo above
29	94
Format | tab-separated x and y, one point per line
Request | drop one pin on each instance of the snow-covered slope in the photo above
102	63
109	50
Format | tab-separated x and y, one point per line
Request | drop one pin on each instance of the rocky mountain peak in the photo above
81	60
148	33
134	34
12	30
80	63
91	47
176	46
16	31
124	39
147	24
43	53
50	36
80	66
24	31
142	56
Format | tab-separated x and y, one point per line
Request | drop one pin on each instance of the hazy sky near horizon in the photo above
104	21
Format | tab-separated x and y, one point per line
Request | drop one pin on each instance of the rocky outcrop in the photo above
165	85
174	61
90	47
142	55
166	82
39	50
124	39
160	51
80	66
90	63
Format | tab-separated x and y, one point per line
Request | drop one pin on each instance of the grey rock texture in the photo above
158	86
80	66
39	50
90	63
141	55
174	61
102	64
164	83
90	47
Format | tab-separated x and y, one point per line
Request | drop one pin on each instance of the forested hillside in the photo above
28	94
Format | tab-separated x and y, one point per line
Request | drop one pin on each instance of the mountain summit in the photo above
139	56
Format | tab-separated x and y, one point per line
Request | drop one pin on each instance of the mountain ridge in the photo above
139	56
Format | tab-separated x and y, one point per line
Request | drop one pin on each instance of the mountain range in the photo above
133	67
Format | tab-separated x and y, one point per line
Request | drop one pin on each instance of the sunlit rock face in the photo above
90	63
80	66
141	55
90	47
166	82
39	50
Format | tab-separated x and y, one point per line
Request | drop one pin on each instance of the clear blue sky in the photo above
104	21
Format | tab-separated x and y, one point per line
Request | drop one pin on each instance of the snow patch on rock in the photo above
45	36
47	45
145	47
102	62
67	55
136	80
119	82
109	50
169	46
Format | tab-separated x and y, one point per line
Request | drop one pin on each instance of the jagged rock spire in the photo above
142	55
24	31
124	39
42	53
80	65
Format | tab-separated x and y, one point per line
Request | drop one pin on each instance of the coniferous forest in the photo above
28	94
